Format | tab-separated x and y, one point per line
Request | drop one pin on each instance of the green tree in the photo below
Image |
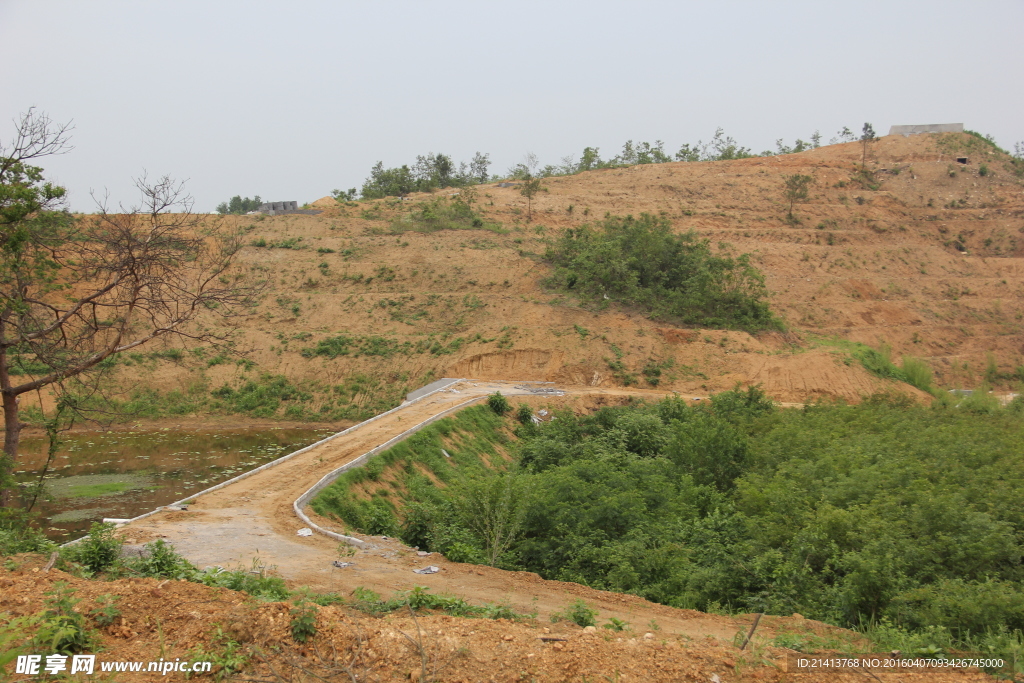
866	137
76	291
493	508
590	159
529	189
345	195
796	188
388	182
238	206
478	167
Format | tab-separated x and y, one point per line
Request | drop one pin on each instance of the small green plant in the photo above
61	628
983	170
578	612
107	612
498	403
225	654
97	551
524	414
161	561
616	624
303	621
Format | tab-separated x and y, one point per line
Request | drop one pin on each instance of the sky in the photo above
289	100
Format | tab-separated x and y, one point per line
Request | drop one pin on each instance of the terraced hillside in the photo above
921	254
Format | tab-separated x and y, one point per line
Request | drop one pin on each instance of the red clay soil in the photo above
175	619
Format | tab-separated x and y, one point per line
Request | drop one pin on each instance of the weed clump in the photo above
578	612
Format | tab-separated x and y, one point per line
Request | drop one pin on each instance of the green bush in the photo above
443	213
963	607
163	562
677	278
18	535
261	398
498	403
578	612
107	612
96	552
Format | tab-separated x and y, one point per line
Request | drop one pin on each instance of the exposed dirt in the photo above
166	620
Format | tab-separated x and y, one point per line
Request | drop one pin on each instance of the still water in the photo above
126	473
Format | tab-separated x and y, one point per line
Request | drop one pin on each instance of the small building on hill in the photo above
927	128
278	208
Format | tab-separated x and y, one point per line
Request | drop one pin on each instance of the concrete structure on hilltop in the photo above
278	208
927	128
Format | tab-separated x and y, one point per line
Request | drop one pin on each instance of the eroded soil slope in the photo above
926	258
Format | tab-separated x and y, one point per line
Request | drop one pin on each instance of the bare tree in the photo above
76	291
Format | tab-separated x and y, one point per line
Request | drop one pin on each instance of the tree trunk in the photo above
12	434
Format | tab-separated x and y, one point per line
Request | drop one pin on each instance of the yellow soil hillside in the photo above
929	263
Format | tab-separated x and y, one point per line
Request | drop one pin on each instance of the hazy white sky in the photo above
291	99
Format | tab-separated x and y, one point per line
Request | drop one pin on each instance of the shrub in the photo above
163	562
673	277
17	535
578	612
442	213
97	551
524	414
917	374
498	403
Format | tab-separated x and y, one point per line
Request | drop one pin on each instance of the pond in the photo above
127	473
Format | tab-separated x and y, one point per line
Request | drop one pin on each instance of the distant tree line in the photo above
438	171
430	172
239	205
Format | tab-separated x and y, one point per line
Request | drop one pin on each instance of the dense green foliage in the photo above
676	277
885	512
430	172
465	445
239	205
17	535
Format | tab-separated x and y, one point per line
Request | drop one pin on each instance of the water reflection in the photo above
124	474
